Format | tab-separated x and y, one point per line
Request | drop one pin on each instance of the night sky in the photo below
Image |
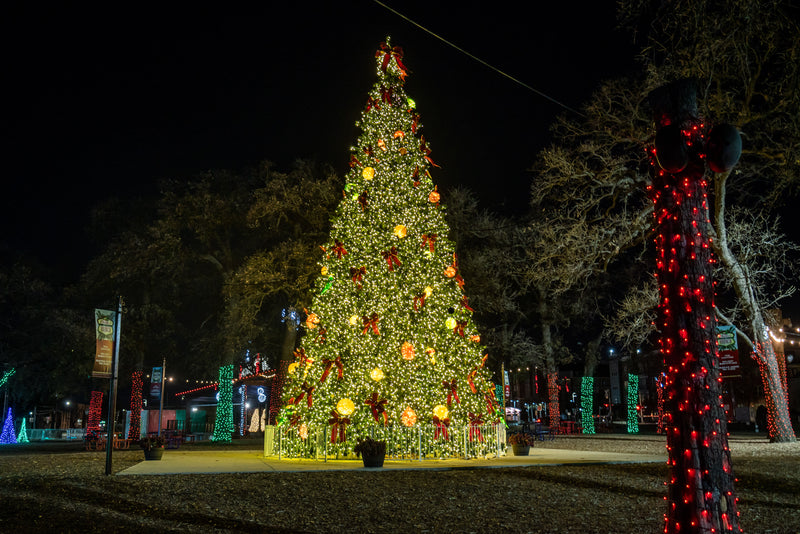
101	102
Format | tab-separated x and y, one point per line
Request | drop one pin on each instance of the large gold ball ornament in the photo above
450	323
312	321
475	338
376	374
428	290
324	270
441	411
407	350
400	231
353	320
408	417
292	368
434	197
345	407
368	173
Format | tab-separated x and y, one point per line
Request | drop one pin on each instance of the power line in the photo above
482	62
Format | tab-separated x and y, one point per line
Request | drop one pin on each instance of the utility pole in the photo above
112	388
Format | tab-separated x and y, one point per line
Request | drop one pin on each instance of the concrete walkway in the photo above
195	462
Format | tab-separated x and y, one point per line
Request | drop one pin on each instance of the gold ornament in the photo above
450	323
303	431
400	231
407	350
354	320
450	271
345	407
403	151
441	411
312	321
292	368
434	197
368	173
398	133
376	374
324	270
428	290
408	417
381	144
475	338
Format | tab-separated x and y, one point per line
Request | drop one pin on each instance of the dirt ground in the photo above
61	488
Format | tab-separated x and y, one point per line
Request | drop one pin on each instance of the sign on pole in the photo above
104	335
155	382
728	349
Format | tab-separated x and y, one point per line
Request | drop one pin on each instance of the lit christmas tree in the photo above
22	437
390	341
8	437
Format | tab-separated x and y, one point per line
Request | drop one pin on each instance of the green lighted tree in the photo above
390	338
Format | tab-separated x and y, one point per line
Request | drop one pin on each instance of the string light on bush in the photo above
633	404
223	425
587	404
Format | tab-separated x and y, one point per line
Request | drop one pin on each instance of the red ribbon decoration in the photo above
302	359
430	240
377	407
471	383
441	427
362	199
372	103
474	427
451	390
419	300
322	335
415	177
459	328
386	94
489	398
354	161
294	420
338	249
339	426
391	258
459	280
465	303
414	122
395	52
427	151
307	391
357	275
370	322
330	363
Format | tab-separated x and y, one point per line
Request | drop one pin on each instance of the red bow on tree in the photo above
451	387
372	103
414	122
465	303
338	426
294	420
378	407
357	275
370	322
329	364
302	359
391	258
415	177
338	249
362	199
441	427
322	335
395	52
427	151
386	94
475	422
459	328
307	391
419	300
354	161
430	240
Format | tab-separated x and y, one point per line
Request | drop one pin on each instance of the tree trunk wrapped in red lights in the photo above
700	494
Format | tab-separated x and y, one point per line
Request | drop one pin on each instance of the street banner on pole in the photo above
155	382
104	329
728	349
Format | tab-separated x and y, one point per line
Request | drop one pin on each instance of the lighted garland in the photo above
95	412
8	437
389	327
633	404
137	384
587	404
223	424
8	374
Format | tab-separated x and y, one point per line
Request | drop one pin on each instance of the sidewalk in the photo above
196	462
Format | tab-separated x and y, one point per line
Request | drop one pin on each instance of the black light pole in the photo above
112	390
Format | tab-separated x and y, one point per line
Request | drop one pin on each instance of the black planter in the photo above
373	461
154	454
521	450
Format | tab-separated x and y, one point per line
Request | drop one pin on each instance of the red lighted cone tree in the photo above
390	340
701	485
